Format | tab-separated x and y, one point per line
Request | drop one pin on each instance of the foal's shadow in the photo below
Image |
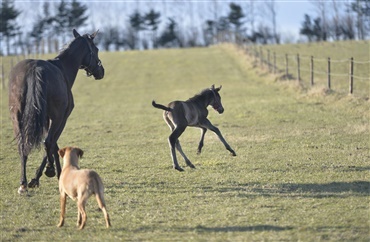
242	228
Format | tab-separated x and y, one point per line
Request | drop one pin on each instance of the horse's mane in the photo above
199	95
67	46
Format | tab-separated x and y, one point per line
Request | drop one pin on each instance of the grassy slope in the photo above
301	172
339	52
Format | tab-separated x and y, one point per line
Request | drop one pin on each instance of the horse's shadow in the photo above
316	190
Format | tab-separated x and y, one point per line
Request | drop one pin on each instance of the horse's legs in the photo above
35	181
57	162
204	130
178	147
207	124
51	148
23	181
172	141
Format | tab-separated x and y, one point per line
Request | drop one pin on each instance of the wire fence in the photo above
334	74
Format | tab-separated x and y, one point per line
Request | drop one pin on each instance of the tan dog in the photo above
79	185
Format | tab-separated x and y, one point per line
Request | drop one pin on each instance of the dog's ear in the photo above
80	152
61	152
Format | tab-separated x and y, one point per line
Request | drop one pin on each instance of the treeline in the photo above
251	21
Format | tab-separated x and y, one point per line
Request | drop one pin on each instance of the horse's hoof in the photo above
22	190
50	171
191	166
33	183
233	153
178	168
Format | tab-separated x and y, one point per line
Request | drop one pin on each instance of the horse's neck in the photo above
70	64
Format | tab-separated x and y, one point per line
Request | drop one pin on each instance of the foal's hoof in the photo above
50	171
191	166
178	168
22	190
33	183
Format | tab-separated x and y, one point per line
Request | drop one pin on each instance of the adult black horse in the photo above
40	100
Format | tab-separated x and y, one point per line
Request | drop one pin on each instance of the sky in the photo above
289	12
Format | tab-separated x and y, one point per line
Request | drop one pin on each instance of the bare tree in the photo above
321	8
335	21
271	13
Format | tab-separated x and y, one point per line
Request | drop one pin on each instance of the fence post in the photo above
261	57
286	66
351	76
298	69
274	67
268	60
2	76
312	71
329	81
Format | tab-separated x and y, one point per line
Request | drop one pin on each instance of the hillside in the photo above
301	172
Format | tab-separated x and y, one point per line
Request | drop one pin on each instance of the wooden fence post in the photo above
351	76
298	69
286	67
2	76
329	81
312	71
268	60
261	57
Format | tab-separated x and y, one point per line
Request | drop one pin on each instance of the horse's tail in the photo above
32	120
160	106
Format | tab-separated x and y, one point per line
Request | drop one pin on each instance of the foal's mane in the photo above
200	95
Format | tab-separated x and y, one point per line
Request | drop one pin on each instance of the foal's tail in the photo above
160	106
32	120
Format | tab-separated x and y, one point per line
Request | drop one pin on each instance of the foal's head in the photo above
216	100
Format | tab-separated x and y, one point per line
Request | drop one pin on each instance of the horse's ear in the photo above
93	35
213	87
75	33
80	152
61	152
219	88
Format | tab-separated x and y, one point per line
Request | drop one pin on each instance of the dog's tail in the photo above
160	106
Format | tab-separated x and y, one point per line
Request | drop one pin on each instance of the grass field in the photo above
301	172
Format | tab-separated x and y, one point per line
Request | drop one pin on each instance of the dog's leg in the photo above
100	199
79	218
63	200
81	209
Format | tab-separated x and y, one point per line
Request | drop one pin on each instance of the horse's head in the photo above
91	62
216	102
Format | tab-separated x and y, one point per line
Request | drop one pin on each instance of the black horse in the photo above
40	100
193	112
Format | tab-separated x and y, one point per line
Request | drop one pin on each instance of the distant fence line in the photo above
281	63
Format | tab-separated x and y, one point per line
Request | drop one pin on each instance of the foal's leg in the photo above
178	147
200	146
172	140
207	124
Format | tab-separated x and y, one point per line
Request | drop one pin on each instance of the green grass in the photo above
301	174
339	53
